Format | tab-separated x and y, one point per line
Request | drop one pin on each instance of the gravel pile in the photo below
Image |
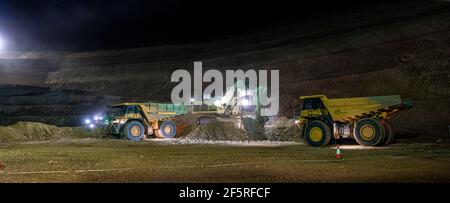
217	131
282	129
32	131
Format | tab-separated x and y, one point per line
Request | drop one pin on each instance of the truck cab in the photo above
310	107
120	114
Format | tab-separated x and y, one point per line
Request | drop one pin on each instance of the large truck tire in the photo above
389	134
369	132
317	133
134	130
167	129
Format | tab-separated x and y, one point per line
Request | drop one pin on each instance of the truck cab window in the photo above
133	111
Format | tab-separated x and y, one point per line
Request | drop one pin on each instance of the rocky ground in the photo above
36	152
108	160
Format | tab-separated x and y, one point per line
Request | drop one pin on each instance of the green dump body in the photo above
158	111
164	110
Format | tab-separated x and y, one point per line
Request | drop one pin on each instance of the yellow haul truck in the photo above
365	119
137	121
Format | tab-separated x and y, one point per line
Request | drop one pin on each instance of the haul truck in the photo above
137	121
365	119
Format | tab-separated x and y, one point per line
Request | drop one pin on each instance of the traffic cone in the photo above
338	152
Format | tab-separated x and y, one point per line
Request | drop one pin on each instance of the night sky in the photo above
63	25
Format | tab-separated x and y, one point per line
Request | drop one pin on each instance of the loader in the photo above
239	105
365	119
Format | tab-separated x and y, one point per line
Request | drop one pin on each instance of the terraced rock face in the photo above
47	105
359	54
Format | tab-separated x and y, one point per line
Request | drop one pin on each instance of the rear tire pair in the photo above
373	132
368	132
390	136
167	129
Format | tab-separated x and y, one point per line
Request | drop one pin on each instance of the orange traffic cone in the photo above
338	153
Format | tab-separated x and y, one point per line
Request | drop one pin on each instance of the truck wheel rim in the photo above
367	132
315	134
168	130
135	131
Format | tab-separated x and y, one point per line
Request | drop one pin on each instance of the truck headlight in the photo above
121	121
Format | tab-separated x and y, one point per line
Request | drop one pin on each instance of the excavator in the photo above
239	105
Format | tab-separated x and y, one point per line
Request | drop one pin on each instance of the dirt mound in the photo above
220	131
282	129
31	131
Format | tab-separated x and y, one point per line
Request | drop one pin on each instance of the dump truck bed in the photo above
158	111
346	109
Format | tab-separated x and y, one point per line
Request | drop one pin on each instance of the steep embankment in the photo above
359	53
25	94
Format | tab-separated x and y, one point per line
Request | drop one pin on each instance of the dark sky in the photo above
79	25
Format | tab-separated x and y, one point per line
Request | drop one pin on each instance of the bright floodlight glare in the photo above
91	126
87	121
2	43
96	118
192	99
245	102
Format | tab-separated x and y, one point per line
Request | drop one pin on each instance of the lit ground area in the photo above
106	160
